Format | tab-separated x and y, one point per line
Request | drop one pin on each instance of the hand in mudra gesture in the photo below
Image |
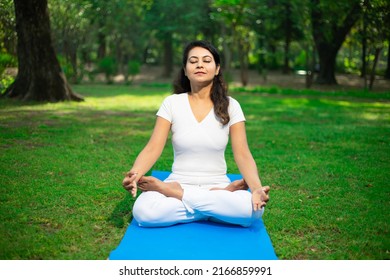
260	197
130	183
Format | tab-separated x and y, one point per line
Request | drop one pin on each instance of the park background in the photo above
311	76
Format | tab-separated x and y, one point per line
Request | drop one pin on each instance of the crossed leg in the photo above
173	189
163	204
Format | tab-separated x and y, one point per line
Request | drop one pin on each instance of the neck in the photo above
201	92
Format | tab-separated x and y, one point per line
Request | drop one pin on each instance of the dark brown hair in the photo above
219	88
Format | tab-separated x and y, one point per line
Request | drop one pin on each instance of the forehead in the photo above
199	52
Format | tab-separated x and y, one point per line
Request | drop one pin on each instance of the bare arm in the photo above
149	155
247	165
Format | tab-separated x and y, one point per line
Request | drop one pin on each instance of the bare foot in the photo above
171	189
234	186
149	183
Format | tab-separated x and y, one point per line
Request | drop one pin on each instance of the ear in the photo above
217	70
184	71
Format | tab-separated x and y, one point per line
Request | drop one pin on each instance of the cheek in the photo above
187	69
212	67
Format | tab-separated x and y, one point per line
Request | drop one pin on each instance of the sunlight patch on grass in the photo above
371	116
355	104
295	102
125	102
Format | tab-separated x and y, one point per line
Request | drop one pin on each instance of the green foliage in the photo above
91	75
133	69
66	67
300	61
107	65
253	32
6	61
5	82
228	77
7	26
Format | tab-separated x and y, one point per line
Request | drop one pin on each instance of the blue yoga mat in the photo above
195	241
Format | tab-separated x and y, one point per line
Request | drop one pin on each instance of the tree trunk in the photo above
309	67
329	37
243	50
286	66
40	77
327	57
273	63
101	37
168	56
372	76
227	56
387	73
364	48
244	69
287	38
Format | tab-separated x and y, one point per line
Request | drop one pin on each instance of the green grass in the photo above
325	157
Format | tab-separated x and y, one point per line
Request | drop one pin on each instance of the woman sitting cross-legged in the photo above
201	118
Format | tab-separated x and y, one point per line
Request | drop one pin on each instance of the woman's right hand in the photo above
130	183
260	197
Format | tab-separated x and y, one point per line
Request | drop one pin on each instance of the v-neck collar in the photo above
192	112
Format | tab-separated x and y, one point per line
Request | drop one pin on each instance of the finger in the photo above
134	192
129	179
125	183
265	198
266	189
255	206
134	189
132	176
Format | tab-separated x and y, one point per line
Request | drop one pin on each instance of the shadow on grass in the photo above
122	214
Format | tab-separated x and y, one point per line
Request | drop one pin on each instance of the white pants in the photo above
153	209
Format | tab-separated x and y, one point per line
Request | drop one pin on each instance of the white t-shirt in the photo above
199	147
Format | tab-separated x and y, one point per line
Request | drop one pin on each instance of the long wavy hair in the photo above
219	88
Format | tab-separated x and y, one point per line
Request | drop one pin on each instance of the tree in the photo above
377	16
70	29
238	14
387	73
331	22
283	20
7	23
172	19
39	77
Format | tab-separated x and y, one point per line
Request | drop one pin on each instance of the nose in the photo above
199	64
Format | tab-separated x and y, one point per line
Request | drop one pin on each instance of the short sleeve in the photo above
165	110
235	112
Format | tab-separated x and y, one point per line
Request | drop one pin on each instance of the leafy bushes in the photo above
6	61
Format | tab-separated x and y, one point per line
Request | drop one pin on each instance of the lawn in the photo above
325	156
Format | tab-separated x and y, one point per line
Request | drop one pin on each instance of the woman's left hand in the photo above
260	197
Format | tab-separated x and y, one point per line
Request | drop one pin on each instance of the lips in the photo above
199	72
